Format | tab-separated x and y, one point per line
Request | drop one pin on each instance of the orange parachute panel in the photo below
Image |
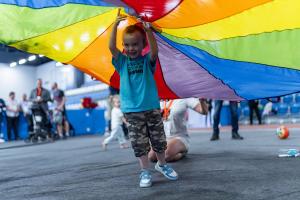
194	12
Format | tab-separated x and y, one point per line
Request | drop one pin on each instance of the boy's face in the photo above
133	44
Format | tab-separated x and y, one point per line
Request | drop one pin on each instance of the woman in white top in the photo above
175	125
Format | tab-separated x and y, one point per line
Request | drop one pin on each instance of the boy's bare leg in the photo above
144	162
175	151
161	158
152	156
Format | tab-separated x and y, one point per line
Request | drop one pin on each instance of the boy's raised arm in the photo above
112	42
151	41
113	37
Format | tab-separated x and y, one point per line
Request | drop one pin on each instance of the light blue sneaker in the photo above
145	179
167	171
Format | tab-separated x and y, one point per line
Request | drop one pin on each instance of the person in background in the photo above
208	120
40	96
12	116
175	125
117	120
2	110
25	106
269	110
60	111
112	93
253	106
233	105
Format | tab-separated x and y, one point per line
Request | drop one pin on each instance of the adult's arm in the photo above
201	107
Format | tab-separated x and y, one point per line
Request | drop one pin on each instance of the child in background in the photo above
117	120
139	97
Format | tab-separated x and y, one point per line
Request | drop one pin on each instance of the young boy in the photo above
117	120
139	97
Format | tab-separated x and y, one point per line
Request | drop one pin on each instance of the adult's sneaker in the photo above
167	171
145	179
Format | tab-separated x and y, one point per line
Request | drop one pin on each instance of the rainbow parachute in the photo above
219	49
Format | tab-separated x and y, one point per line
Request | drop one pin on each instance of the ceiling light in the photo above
22	61
31	58
13	64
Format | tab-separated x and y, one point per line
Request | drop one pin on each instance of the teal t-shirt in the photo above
138	91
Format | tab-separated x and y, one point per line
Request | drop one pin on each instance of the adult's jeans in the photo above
233	106
12	123
253	107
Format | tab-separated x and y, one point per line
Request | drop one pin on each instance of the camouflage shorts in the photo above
145	128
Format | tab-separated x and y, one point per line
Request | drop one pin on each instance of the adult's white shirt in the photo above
26	107
13	105
176	125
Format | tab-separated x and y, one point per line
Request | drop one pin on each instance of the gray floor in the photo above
78	169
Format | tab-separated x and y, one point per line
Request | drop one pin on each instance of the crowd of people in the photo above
54	119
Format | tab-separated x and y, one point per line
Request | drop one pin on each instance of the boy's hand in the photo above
120	17
147	25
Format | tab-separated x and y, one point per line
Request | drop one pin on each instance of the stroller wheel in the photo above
34	139
43	138
27	140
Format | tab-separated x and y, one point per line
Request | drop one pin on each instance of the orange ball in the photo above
282	132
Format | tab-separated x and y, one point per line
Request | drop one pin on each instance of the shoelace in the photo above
145	175
167	169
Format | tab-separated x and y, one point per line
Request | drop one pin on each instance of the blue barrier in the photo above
87	121
22	129
84	122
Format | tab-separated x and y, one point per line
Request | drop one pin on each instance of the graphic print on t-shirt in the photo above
135	67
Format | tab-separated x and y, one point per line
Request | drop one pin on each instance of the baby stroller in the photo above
41	124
